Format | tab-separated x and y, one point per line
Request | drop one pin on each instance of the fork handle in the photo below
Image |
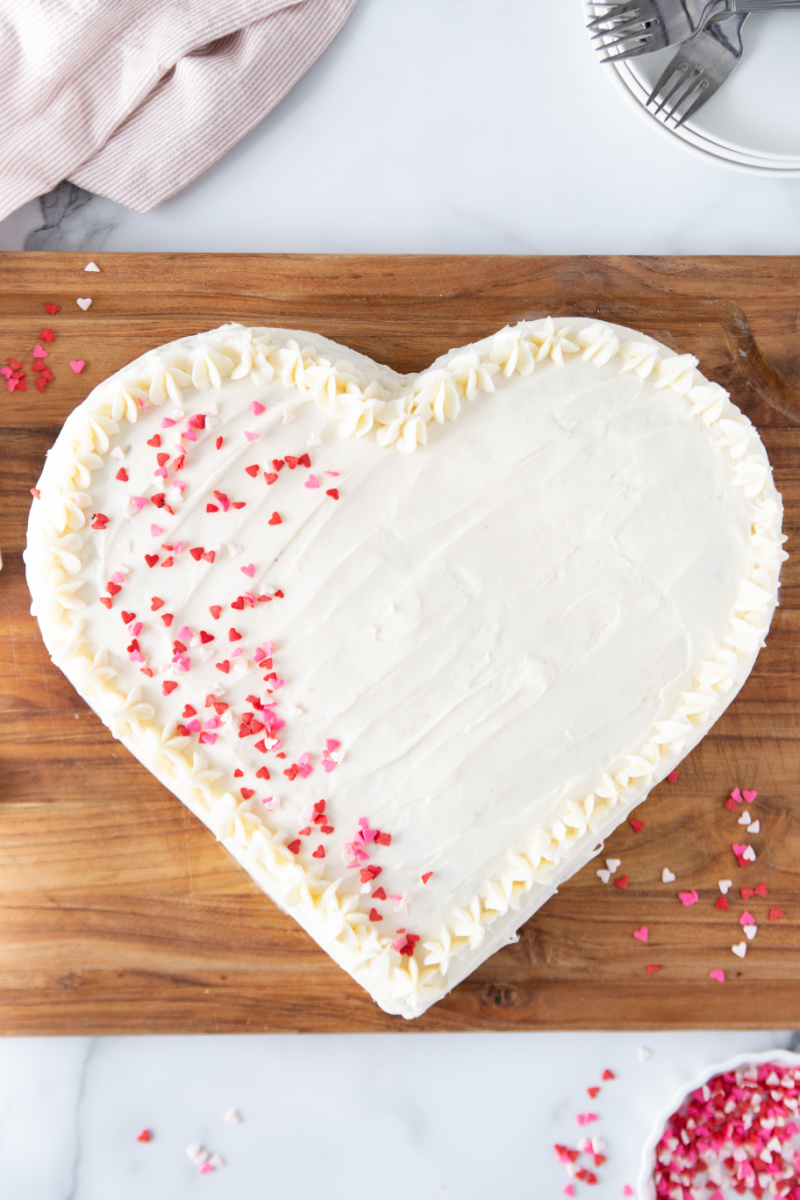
735	6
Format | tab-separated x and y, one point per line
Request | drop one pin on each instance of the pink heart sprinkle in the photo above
156	530
330	743
7	371
77	365
312	482
568	1190
185	633
328	765
39	352
749	796
117	578
166	422
161	471
738	850
746	919
138	502
736	795
258	408
640	934
628	1190
251	437
689	898
206	1168
719	975
208	738
136	629
249	570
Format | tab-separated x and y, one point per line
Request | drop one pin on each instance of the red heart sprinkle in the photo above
319	852
167	618
145	1135
234	635
168	686
333	493
208	555
252	471
127	617
218	443
238	602
47	335
151	559
247	792
162	458
761	890
651	970
52	309
262	773
621	882
215	610
379	894
196	553
295	846
270	476
188	711
212	508
775	914
636	825
156	603
608	1074
304	460
383	839
113	588
106	600
206	637
155	440
722	903
278	464
426	876
291	461
159	500
593	1092
275	519
122	475
730	804
223	666
374	915
673	775
746	893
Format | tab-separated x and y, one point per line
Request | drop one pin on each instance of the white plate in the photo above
753	122
645	1187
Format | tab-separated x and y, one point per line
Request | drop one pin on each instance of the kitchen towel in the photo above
132	99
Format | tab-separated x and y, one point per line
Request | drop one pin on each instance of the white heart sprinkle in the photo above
749	931
642	1053
117	452
287	416
613	864
740	949
749	854
243	764
744	819
314	440
605	876
211	422
92	266
211	409
725	886
755	827
234	550
83	302
217	1160
294	710
598	1145
667	876
584	1144
232	1117
206	653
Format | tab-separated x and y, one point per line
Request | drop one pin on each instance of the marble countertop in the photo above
447	126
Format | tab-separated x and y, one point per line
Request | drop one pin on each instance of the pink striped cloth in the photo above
132	99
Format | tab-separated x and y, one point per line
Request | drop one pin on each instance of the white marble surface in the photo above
463	126
467	1116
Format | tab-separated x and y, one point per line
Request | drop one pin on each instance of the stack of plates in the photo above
753	122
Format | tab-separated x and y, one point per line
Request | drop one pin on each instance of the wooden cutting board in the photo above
120	914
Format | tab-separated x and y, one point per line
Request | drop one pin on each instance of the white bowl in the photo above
645	1187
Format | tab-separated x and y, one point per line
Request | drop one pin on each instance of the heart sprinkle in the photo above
622	882
604	876
77	365
636	825
718	975
91	266
673	775
775	914
687	899
84	302
613	864
667	876
641	934
654	968
725	886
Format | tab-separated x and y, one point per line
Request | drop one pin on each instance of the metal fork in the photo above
632	27
699	68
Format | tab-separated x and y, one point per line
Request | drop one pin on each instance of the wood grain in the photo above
120	914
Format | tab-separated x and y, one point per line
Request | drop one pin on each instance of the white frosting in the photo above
513	633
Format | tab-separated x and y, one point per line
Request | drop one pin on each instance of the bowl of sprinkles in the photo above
735	1131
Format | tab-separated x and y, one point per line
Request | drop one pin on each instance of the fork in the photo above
702	65
633	27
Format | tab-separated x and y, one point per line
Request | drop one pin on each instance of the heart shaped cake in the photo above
410	692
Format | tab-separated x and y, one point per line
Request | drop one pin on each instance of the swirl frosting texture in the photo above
481	652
